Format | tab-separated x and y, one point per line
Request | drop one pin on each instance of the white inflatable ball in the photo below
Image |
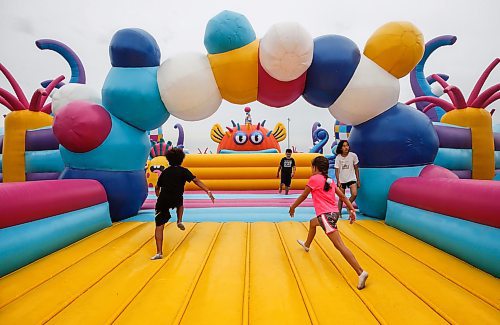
286	51
188	87
370	92
71	92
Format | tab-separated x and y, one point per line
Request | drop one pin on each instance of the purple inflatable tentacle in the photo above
180	140
47	82
314	127
77	69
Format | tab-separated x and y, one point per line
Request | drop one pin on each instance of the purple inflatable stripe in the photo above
41	176
453	137
463	174
496	139
43	139
1	144
1	178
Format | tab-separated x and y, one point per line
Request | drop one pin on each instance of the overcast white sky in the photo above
179	26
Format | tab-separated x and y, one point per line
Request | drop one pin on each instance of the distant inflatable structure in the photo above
248	138
157	162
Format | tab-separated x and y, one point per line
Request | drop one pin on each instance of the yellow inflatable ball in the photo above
397	47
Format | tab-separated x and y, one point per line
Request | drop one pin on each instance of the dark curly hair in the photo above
338	151
322	164
175	156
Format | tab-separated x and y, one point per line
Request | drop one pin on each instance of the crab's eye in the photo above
256	137
240	138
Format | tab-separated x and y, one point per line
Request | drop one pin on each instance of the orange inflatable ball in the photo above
397	47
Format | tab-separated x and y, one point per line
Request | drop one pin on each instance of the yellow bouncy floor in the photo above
239	273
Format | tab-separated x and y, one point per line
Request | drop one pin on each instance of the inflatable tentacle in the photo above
481	81
481	99
15	86
12	100
47	82
434	100
315	126
418	81
323	137
180	140
430	79
36	100
490	100
77	70
49	89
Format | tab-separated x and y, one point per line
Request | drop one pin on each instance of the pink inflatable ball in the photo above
247	109
433	171
82	126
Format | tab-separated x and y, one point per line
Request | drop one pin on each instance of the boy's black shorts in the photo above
162	217
286	179
162	213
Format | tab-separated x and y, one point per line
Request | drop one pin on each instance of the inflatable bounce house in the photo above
75	244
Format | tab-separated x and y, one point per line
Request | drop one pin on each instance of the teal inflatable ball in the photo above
227	31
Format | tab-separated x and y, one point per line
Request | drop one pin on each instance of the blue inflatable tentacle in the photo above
77	70
323	137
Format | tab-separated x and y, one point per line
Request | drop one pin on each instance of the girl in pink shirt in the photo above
325	206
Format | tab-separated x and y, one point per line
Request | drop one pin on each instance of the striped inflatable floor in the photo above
248	273
197	199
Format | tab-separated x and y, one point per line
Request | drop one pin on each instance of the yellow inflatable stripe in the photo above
164	296
246	184
246	160
104	302
274	296
481	284
26	278
222	281
43	302
245	173
424	282
386	297
300	284
322	282
246	292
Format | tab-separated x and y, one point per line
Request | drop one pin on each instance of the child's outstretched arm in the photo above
278	173
299	200
352	212
205	188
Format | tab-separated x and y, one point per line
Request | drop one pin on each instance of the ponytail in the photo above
328	181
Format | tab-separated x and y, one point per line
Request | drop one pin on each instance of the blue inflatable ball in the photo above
334	61
228	31
134	48
401	136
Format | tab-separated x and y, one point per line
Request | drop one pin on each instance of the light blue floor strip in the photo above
232	214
